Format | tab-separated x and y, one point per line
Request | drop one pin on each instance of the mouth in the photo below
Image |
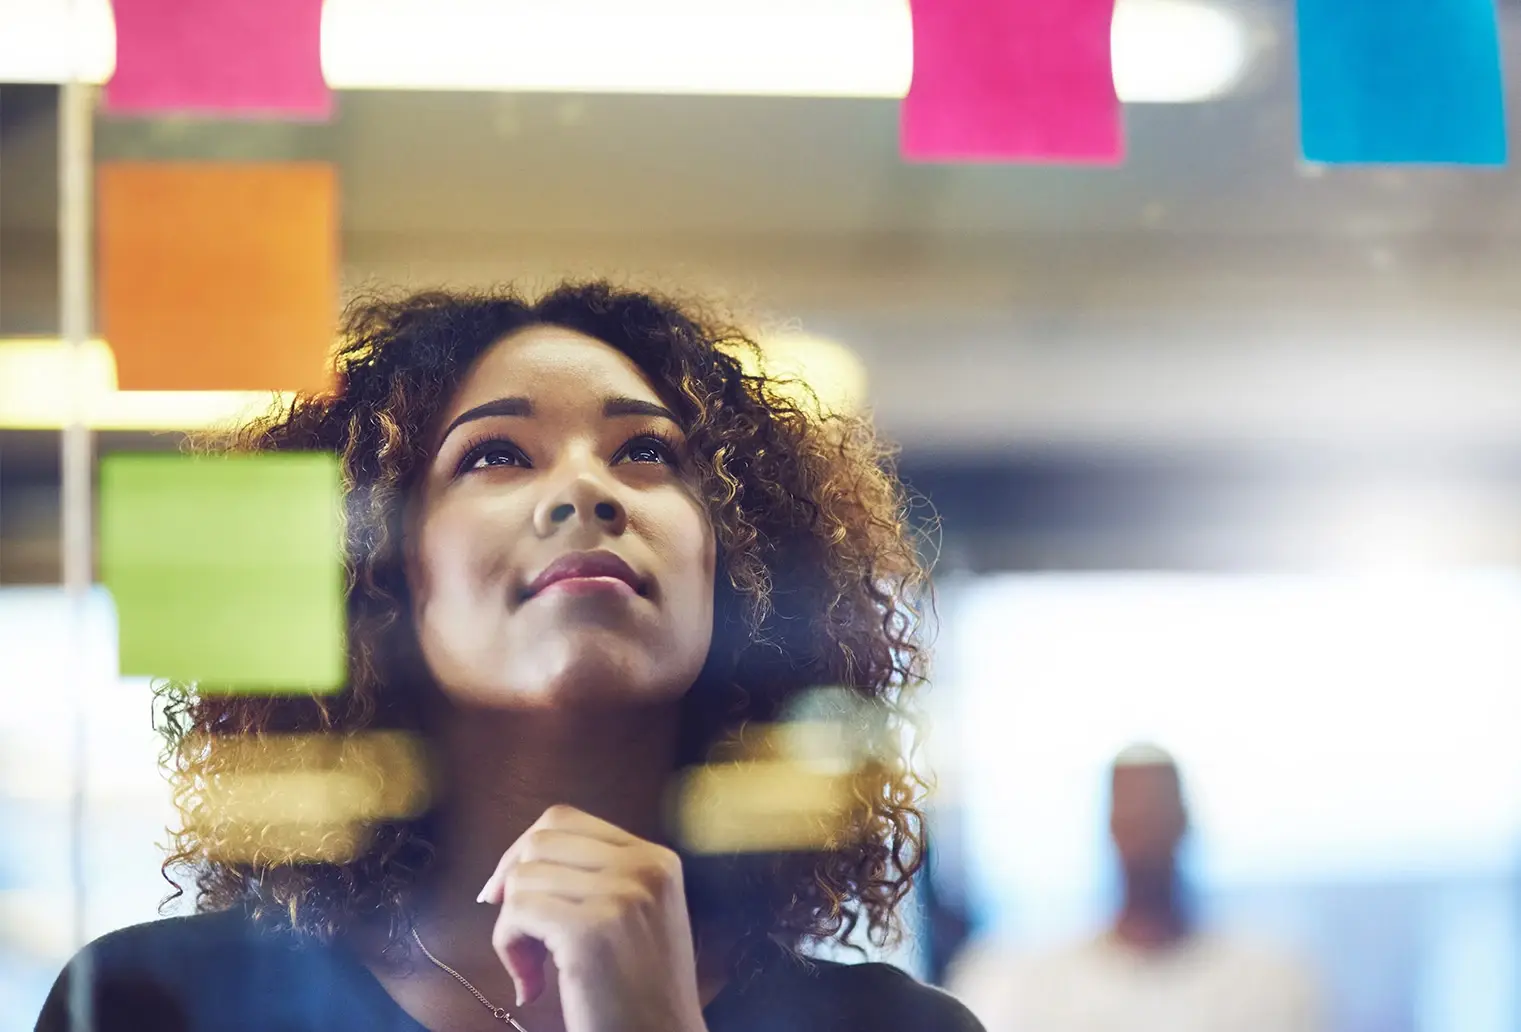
585	572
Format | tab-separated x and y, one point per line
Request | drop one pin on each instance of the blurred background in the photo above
1223	452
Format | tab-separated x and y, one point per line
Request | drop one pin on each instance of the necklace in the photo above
501	1014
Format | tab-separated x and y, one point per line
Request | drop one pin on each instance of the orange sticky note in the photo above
218	277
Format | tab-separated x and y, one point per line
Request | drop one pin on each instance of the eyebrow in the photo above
615	407
495	407
611	409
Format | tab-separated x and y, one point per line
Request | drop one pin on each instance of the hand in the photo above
611	910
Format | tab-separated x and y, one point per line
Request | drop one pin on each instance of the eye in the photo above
649	448
491	453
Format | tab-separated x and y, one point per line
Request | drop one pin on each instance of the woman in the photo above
585	550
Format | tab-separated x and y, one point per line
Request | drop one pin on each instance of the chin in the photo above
575	673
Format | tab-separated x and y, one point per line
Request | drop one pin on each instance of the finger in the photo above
547	845
568	818
525	960
569	848
527	932
572	883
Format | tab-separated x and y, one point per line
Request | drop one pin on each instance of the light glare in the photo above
1164	51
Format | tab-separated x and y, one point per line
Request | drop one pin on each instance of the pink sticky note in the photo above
219	57
1012	80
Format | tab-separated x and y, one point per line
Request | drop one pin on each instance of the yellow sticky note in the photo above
226	570
218	276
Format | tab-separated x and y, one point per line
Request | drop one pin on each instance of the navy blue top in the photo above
217	973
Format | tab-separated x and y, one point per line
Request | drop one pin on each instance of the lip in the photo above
586	569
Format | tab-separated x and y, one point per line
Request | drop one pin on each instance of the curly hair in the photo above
819	577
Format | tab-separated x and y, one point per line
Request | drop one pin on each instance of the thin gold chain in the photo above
501	1014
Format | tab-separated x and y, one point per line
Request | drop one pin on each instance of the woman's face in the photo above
558	554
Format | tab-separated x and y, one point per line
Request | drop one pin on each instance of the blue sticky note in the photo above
1401	82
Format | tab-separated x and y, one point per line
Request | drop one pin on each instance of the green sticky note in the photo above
226	570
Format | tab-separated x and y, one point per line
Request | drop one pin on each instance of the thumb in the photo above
524	959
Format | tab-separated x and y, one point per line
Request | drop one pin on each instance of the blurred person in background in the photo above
947	925
585	550
1156	968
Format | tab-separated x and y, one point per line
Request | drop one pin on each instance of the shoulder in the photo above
221	929
1275	968
1237	950
1002	962
138	971
179	944
190	973
1001	981
873	996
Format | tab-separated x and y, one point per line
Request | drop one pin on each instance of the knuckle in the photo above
661	871
557	813
501	939
512	878
637	896
532	844
635	892
669	862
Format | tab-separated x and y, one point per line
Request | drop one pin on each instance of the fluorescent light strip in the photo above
56	40
39	379
1164	51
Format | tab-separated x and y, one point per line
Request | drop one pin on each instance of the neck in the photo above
1152	916
500	770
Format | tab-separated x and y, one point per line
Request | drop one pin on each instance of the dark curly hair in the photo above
818	581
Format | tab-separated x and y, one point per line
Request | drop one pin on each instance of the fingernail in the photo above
482	897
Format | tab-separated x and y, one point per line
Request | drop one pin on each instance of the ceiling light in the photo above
41	381
801	365
56	40
1164	51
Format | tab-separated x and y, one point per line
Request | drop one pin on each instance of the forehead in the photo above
551	365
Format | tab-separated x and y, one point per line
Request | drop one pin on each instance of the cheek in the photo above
703	557
453	563
695	632
690	551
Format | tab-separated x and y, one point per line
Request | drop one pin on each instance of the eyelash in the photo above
476	450
664	443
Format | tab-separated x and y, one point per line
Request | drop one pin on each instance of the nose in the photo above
585	500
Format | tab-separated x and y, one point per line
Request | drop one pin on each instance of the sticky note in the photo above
218	277
1012	80
226	570
219	57
1401	81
